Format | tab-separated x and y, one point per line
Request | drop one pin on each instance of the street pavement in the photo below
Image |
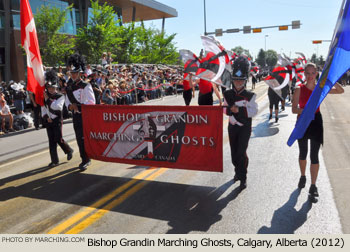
120	198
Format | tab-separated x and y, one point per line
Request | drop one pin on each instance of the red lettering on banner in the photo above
170	136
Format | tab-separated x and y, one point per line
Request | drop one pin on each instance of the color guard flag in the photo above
338	62
190	60
29	39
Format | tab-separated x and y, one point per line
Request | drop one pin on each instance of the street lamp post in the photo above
205	21
265	41
265	48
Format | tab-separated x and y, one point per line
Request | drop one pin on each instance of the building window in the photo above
2	5
15	5
2	64
15	20
2	20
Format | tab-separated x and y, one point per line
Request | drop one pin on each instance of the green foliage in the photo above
100	34
271	58
321	61
318	61
314	58
154	47
240	50
54	47
130	43
261	59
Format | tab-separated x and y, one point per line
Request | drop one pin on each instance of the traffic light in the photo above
232	30
316	41
256	30
283	27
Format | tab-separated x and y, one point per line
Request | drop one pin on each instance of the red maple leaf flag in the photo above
29	39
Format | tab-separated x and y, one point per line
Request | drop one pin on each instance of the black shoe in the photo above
270	117
313	192
52	164
243	185
302	182
235	178
70	155
283	109
83	165
276	120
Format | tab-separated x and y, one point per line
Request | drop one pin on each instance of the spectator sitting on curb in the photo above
5	115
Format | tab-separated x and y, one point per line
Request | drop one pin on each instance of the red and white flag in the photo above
29	39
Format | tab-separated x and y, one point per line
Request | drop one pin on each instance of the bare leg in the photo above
3	123
10	121
302	166
314	172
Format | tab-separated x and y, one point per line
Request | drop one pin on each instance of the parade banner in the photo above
182	137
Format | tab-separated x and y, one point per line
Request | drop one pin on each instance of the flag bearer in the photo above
314	132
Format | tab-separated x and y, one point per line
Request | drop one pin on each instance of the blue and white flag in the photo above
338	62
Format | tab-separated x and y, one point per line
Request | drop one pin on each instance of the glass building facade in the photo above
74	18
12	59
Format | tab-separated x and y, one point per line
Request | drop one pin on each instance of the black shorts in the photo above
187	95
205	99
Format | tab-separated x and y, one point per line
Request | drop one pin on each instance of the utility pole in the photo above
205	21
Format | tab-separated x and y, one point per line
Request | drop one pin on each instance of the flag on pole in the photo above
29	39
190	60
338	62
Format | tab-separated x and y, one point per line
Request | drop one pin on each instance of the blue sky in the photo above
318	19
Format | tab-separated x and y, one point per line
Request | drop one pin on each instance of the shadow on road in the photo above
186	208
265	129
287	219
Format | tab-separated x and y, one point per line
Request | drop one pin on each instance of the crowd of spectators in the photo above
129	84
113	84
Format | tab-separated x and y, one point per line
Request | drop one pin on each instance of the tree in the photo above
321	61
54	47
261	59
314	58
240	50
100	34
154	47
271	58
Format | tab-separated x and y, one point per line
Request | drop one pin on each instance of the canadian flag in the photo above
29	39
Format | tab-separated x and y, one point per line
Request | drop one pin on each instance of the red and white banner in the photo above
169	136
29	39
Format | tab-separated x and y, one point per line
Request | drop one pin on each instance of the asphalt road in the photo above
120	198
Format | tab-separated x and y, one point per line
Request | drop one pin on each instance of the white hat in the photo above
16	86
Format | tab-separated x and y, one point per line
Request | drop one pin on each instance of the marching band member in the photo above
78	93
188	92
52	115
240	106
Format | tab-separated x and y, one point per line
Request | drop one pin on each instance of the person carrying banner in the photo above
240	106
52	115
78	92
314	132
